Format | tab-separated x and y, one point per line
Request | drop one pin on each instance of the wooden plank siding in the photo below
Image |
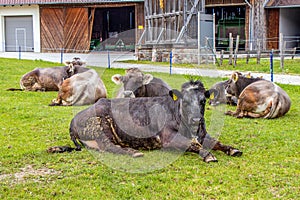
66	28
76	30
272	28
52	31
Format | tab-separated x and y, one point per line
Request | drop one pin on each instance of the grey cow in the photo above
50	79
137	84
127	125
257	98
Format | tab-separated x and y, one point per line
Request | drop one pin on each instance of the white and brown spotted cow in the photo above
257	98
80	89
137	84
127	125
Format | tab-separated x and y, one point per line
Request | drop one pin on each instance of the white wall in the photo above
32	10
289	25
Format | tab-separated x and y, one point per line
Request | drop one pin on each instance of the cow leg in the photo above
227	149
107	146
238	113
197	148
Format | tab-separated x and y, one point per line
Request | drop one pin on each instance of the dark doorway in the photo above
113	28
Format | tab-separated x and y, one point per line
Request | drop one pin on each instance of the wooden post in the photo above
221	57
236	49
258	52
294	52
206	50
248	57
230	49
281	49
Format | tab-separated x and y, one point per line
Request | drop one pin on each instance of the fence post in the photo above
19	52
271	64
108	59
221	57
230	48
258	52
248	57
281	49
236	49
61	55
171	56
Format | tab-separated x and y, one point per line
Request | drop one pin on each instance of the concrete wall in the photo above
33	11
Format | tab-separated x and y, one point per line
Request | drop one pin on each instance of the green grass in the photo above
291	66
268	169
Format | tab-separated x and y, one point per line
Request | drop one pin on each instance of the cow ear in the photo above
248	75
235	77
117	79
147	78
211	94
175	94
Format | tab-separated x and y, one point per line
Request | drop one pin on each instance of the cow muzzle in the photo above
128	94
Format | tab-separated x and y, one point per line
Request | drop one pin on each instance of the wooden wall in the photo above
66	28
272	18
70	27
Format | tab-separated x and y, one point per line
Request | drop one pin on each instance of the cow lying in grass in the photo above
127	125
257	98
221	97
80	89
137	84
50	79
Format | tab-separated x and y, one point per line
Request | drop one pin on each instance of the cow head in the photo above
133	81
193	99
236	84
71	66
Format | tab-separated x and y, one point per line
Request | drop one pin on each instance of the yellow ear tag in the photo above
235	78
175	97
212	96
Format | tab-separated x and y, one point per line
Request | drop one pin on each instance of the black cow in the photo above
221	96
138	84
126	125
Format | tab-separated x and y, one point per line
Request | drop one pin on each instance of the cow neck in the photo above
242	84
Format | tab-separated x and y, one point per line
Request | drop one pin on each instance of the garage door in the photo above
18	33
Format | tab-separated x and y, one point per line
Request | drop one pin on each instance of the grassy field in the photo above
268	169
291	66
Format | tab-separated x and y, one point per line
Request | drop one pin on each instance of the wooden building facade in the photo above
71	25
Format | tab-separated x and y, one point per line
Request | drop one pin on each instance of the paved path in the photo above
102	58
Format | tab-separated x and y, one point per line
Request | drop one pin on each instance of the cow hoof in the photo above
138	154
235	152
210	158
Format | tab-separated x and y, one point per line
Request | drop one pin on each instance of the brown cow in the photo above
50	79
257	98
126	125
138	84
80	89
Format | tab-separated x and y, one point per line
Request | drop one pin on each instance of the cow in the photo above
138	84
257	98
127	125
221	97
50	79
80	89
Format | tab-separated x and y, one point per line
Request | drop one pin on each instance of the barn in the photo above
68	25
174	27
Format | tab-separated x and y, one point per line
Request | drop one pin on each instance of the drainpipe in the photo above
251	18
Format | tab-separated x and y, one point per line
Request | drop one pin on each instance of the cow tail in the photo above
60	149
14	89
274	110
